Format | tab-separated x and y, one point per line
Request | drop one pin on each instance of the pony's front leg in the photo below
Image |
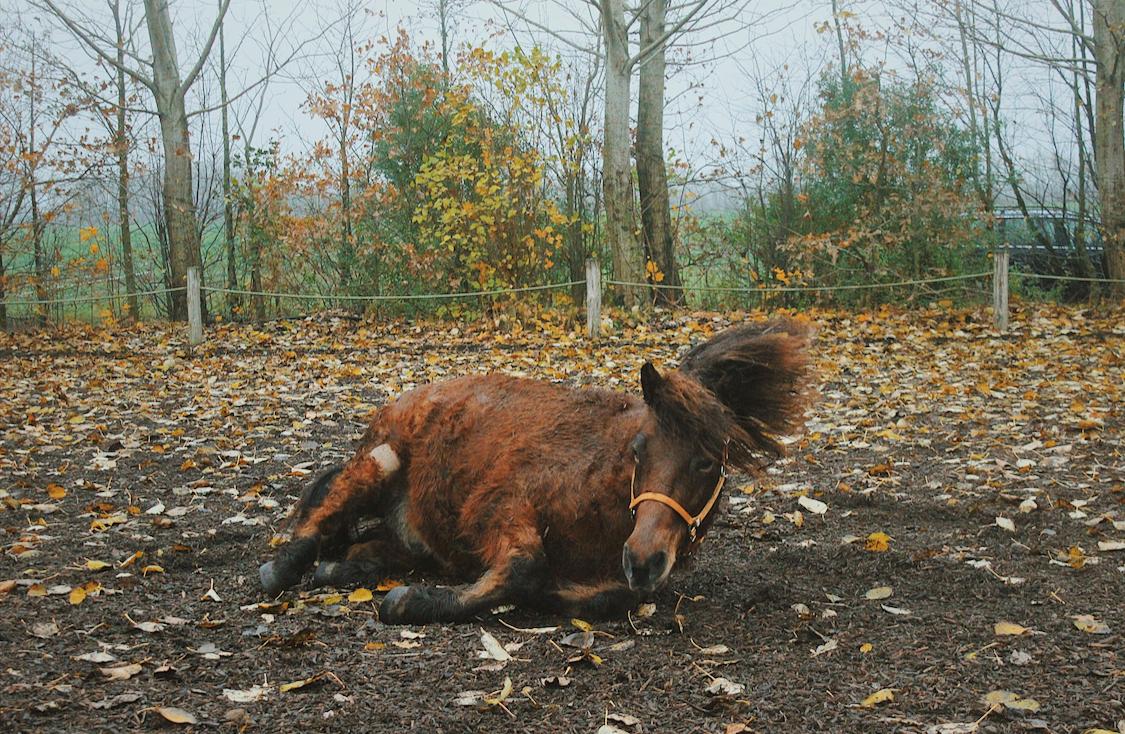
595	601
324	510
517	578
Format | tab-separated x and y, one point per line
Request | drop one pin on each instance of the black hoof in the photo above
271	580
285	571
395	606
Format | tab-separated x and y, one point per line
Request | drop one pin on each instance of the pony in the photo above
573	500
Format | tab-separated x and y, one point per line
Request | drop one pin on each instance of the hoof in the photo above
393	610
271	580
327	574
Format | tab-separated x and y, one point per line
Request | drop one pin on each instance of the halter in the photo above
693	521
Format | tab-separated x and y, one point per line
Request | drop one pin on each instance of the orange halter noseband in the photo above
693	521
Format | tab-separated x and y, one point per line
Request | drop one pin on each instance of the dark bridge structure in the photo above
1050	240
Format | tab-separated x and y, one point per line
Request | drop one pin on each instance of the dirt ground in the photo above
141	484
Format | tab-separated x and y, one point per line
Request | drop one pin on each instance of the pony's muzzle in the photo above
644	574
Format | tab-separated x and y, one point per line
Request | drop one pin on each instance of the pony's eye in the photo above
638	446
702	465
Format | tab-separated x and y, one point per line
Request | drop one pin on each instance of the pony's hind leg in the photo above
323	513
516	573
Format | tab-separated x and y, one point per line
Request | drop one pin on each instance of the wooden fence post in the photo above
194	307
1000	288
593	298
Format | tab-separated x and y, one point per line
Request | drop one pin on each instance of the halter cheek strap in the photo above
693	521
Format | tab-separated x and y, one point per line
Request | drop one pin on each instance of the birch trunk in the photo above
1109	143
652	175
617	176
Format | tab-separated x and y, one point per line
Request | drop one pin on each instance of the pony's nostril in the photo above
656	563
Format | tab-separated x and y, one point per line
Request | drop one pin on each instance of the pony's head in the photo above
721	409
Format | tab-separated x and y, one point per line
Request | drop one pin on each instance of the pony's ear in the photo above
651	381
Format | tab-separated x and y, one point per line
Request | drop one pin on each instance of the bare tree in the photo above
169	87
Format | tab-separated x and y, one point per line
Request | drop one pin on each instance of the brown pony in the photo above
538	494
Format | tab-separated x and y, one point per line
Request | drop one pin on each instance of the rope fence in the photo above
799	288
393	297
593	284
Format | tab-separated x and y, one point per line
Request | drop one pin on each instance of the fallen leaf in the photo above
878	542
176	715
1006	524
882	695
96	565
43	630
1111	545
879	592
493	650
1009	628
500	696
1000	699
828	646
121	672
77	595
1087	623
96	657
900	611
249	695
724	687
814	506
298	684
360	595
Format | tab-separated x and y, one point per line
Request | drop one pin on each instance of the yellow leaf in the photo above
881	696
1010	628
373	646
1007	699
176	715
878	542
131	559
87	233
387	585
151	568
37	590
1087	623
866	648
286	687
77	595
582	624
56	492
360	595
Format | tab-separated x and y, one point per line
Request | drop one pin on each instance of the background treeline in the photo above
333	160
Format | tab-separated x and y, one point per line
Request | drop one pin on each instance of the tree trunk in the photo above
179	204
1109	144
121	142
228	204
3	294
652	175
33	192
1085	266
617	174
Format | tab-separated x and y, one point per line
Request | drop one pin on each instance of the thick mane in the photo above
749	383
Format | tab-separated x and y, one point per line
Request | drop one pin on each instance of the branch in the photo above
87	38
203	54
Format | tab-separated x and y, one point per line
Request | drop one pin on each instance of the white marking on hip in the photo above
386	458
